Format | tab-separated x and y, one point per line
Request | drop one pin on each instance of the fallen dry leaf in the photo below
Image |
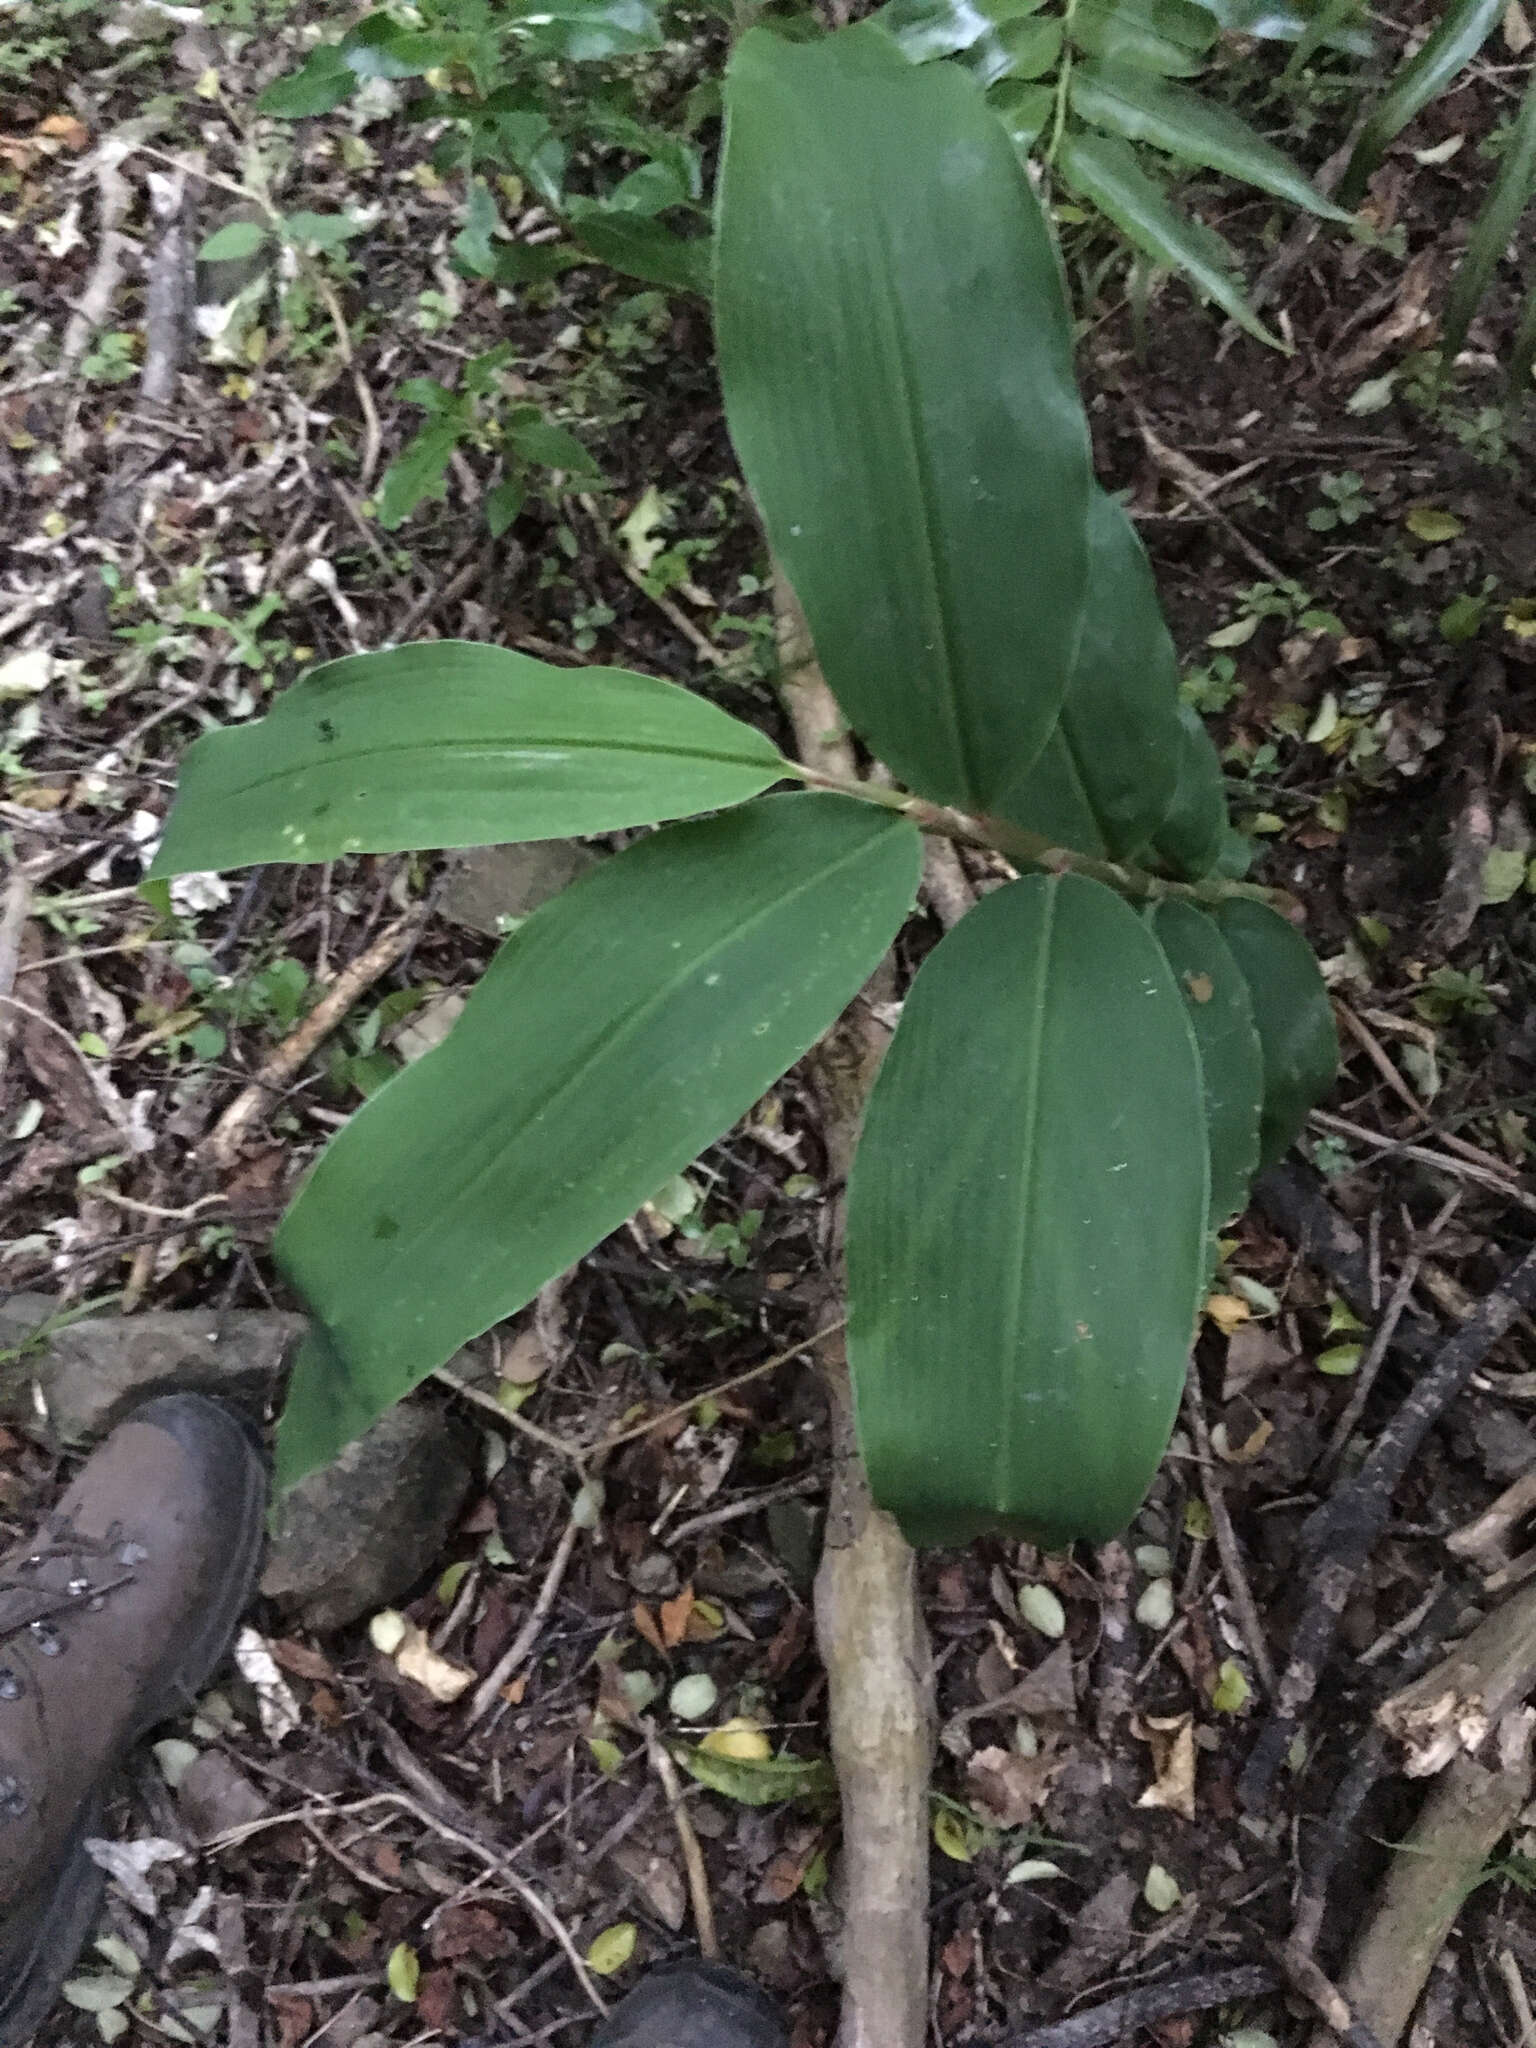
416	1659
674	1617
1172	1740
1009	1790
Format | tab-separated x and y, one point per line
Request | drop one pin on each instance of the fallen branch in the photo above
869	1625
1339	1536
222	1145
688	1842
1454	1705
1119	2019
1428	1880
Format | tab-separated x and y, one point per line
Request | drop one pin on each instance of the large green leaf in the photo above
620	1030
1107	773
1172	37
1460	33
454	744
1494	228
1193	833
1105	171
896	357
1132	103
1231	1060
1297	1034
1026	1223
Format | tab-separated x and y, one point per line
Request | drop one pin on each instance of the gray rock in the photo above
491	882
91	1372
359	1533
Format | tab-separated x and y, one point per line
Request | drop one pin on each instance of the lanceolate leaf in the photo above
1231	1061
896	358
619	1031
1129	102
1104	170
1026	1226
1192	835
1277	21
1462	30
1108	771
1494	227
1167	36
1294	1017
454	744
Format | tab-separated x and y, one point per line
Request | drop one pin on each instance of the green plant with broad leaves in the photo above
538	90
1088	1069
1456	39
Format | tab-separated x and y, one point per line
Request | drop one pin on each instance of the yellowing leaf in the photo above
404	1972
440	1676
1503	874
1172	1738
1161	1889
1227	1311
1229	1695
1340	1360
1429	523
1520	619
1197	1521
613	1948
740	1739
953	1836
1236	635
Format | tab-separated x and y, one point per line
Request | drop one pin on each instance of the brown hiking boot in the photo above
113	1617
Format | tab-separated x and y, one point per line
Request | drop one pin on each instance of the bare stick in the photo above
512	1659
1485	1542
1470	1807
688	1842
1121	2019
1381	1337
223	1143
1340	1536
14	912
1451	1708
869	1624
1226	1538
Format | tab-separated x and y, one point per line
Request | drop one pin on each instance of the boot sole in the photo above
64	1915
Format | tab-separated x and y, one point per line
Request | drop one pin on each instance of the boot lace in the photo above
64	1572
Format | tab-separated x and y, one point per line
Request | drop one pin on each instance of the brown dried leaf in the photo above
300	1661
1172	1740
645	1625
1009	1790
674	1617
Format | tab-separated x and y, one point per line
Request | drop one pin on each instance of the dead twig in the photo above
222	1145
1451	1708
1121	2019
15	909
1226	1537
1428	1880
520	1649
1339	1537
1381	1337
1485	1542
436	1809
688	1842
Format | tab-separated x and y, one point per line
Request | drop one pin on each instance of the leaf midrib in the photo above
461	750
1033	1047
626	1027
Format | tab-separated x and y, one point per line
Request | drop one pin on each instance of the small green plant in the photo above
477	411
113	359
1345	502
1089	1067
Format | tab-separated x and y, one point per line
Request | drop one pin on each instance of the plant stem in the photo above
1063	80
1035	850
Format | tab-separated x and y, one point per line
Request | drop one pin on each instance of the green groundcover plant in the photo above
1088	1069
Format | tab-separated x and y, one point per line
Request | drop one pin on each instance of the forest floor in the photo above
1350	570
